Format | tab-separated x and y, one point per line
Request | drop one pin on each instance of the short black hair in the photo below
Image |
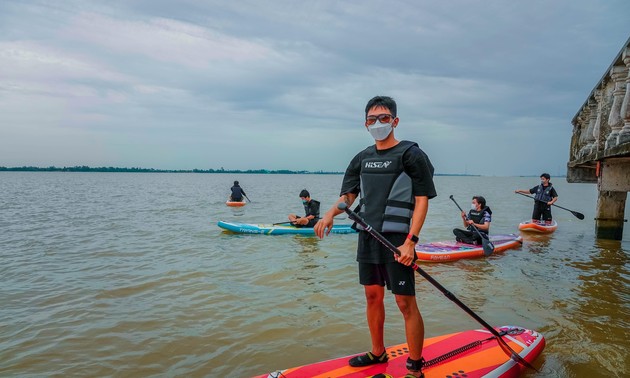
480	200
304	193
546	175
235	182
384	101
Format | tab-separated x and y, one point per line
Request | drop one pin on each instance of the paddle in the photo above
488	247
275	224
244	195
376	235
577	214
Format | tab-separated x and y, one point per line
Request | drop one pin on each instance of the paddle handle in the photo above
377	235
456	204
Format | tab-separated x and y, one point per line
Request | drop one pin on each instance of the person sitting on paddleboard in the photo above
311	209
480	217
545	196
237	193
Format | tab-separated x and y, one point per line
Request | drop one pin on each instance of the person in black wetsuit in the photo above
237	193
545	195
311	211
480	217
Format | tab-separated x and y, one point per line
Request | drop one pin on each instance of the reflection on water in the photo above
128	275
537	243
599	308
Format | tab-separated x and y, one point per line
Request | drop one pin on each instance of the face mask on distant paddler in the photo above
380	131
473	206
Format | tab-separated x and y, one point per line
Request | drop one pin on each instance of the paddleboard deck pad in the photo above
281	229
473	353
452	250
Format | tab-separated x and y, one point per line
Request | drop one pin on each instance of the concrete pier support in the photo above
600	145
609	220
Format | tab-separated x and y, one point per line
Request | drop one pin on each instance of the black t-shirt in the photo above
419	168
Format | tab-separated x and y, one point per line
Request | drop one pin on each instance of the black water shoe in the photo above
368	359
415	366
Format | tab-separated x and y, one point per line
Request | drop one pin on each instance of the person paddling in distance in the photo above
395	180
545	196
237	193
311	209
479	217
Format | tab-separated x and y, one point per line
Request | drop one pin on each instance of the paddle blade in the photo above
488	247
579	216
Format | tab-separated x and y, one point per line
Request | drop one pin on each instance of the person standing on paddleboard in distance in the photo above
545	196
479	217
237	193
311	209
395	180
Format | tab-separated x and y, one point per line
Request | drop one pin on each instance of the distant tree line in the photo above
85	168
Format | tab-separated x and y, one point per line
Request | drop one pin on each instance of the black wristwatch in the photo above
413	238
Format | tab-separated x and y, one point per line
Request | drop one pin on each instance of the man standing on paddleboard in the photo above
545	196
395	181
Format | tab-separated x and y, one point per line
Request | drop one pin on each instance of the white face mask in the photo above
473	207
380	131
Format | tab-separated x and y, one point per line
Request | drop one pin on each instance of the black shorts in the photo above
399	278
541	210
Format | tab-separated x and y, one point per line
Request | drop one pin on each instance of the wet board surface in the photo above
484	358
270	229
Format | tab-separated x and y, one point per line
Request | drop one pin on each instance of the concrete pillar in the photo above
618	75
624	133
609	220
589	138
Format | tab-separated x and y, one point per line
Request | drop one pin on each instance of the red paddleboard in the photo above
235	203
451	250
474	353
539	227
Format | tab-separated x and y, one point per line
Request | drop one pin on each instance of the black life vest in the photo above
543	194
312	208
477	217
387	200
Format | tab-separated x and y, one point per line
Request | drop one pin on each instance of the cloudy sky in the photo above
484	86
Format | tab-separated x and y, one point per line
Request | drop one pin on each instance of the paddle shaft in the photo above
577	214
376	235
244	195
275	224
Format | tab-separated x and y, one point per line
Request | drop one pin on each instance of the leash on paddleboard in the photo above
459	350
488	247
380	238
577	214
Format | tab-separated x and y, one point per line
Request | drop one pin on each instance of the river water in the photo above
127	275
